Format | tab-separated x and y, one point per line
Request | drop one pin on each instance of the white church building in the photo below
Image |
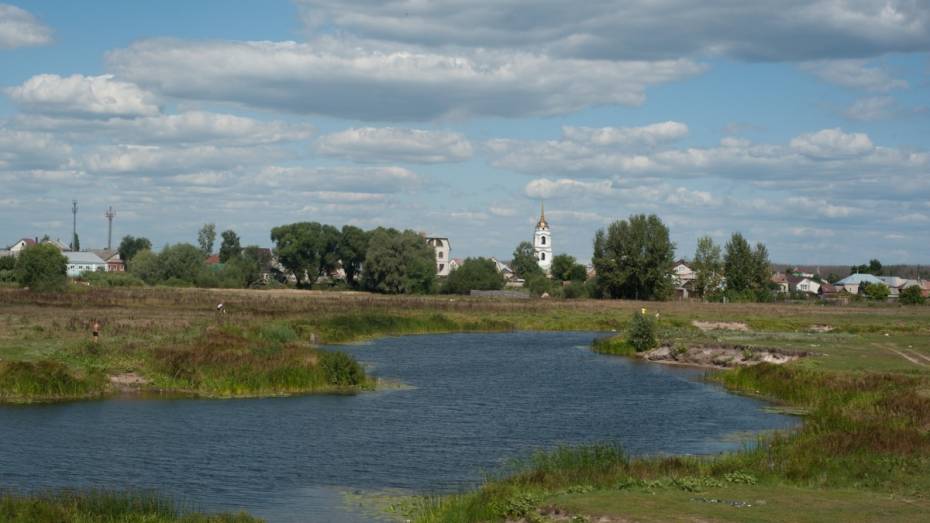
542	242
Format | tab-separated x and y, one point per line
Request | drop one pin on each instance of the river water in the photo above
472	402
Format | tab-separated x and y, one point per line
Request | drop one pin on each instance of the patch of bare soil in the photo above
821	328
720	325
720	357
128	381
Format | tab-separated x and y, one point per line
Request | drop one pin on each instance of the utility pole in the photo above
110	214
74	209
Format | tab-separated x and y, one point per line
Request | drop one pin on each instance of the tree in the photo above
524	264
739	264
478	274
230	247
41	267
181	262
642	334
145	266
399	263
762	268
76	243
875	291
708	266
874	267
206	237
353	245
634	259
911	296
129	246
307	249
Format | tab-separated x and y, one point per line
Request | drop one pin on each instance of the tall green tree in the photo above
399	263
41	267
634	259
353	245
307	249
762	267
874	267
524	264
230	247
76	243
206	237
739	264
181	262
129	246
707	265
479	274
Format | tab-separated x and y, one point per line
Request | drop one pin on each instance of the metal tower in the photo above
74	209
110	214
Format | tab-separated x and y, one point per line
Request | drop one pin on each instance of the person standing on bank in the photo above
96	330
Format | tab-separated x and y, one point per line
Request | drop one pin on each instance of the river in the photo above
471	402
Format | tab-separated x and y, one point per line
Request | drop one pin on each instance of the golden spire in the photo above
542	223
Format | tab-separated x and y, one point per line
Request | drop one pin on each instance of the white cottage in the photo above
79	262
443	249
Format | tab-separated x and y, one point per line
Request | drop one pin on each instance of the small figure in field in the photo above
95	329
220	309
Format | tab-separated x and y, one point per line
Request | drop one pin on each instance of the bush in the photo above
642	334
911	296
111	279
478	274
41	267
875	291
341	369
575	290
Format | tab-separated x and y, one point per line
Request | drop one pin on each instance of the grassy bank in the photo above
103	507
863	453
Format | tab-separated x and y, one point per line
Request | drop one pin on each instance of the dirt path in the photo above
908	357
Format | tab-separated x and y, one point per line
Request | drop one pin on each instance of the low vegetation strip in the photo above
103	507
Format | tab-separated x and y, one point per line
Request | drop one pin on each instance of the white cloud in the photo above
78	95
339	179
18	28
153	159
649	135
832	144
871	109
390	144
786	30
855	74
361	80
26	149
546	189
498	210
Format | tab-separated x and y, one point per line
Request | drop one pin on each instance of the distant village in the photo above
791	282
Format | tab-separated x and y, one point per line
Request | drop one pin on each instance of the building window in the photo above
442	266
543	240
542	254
439	255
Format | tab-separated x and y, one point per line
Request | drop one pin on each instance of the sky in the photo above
801	124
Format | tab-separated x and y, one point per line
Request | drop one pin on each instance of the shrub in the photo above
112	279
341	369
474	274
642	334
42	268
911	296
875	291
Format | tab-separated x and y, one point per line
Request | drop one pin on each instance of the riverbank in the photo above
99	506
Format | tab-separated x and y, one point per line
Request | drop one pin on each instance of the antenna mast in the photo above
110	214
74	209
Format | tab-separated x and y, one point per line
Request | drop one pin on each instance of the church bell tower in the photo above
542	241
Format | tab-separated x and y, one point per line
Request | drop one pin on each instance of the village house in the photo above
803	284
443	249
781	280
683	277
80	262
853	283
18	247
111	258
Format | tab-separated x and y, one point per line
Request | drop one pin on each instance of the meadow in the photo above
862	454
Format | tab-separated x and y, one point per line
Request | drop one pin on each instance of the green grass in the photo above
103	507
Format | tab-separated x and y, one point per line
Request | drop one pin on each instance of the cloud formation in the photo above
18	28
855	74
364	81
83	96
788	30
391	144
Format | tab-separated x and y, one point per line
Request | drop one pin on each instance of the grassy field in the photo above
863	453
103	507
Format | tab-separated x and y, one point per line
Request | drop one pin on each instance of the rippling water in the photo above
474	401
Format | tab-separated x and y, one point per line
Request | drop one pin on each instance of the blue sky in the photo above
805	125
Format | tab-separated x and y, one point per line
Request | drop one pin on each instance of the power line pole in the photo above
110	214
74	209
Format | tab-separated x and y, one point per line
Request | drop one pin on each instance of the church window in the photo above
543	254
439	255
543	240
